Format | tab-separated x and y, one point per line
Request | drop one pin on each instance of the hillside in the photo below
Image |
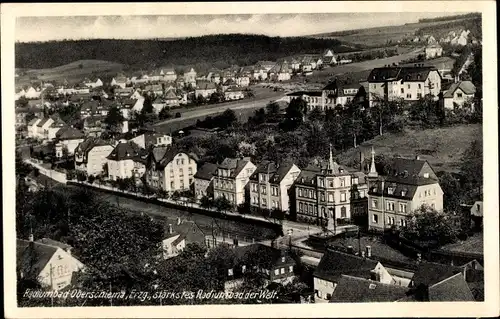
441	147
379	36
71	72
203	52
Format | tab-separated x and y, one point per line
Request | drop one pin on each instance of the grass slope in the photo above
74	71
445	145
381	35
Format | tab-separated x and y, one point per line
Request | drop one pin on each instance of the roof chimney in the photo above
170	229
417	157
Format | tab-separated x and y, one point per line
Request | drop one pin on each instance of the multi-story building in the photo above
69	138
203	181
407	83
269	185
149	139
169	169
126	161
91	156
329	195
231	178
392	198
433	51
190	77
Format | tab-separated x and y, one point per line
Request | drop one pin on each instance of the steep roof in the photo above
235	165
454	288
33	121
466	86
87	145
205	86
42	122
406	74
429	273
206	172
267	255
125	151
51	242
276	172
352	289
69	133
170	95
334	264
32	257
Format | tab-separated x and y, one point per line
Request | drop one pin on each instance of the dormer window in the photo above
426	175
282	259
403	192
390	190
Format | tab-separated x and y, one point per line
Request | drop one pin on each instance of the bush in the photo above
91	179
178	115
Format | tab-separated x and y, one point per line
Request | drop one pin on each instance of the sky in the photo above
30	29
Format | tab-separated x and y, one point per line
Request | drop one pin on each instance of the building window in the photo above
355	181
433	205
390	190
330	197
343	197
375	218
264	202
276	272
402	90
181	172
402	208
343	212
330	183
290	269
390	205
230	272
419	95
300	192
321	182
361	193
263	189
408	86
322	196
408	96
190	171
301	207
311	194
374	203
323	212
342	182
419	85
459	95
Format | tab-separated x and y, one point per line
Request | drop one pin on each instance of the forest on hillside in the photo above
448	18
216	50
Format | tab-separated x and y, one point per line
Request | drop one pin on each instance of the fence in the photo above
55	175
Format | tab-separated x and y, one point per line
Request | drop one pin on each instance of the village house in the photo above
173	243
126	161
139	104
54	127
407	83
125	106
67	140
329	57
91	156
203	181
243	79
354	289
433	51
169	75
156	89
124	92
89	108
335	94
93	126
19	94
149	139
233	93
273	264
120	81
259	73
334	264
93	84
156	76
229	83
266	65
47	261
171	98
170	169
42	128
329	195
439	282
81	89
280	72
32	93
205	89
231	178
410	184
22	113
190	77
32	127
158	104
458	94
269	185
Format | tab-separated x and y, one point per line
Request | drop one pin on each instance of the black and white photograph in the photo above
173	157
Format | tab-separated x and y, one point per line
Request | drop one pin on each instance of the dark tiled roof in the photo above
125	151
42	122
352	289
466	86
187	229
454	288
87	145
333	264
429	273
33	257
206	172
69	133
406	74
33	121
163	155
266	255
276	172
235	165
206	86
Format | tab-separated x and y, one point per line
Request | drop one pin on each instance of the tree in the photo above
428	225
472	165
227	118
164	114
147	107
206	202
216	97
295	113
425	111
114	118
222	204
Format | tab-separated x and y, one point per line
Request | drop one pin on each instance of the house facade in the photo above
391	199
205	89
69	138
47	261
148	139
169	169
269	185
91	156
190	77
125	161
458	94
329	195
203	181
407	83
433	51
231	178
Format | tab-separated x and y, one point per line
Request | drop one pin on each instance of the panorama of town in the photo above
337	174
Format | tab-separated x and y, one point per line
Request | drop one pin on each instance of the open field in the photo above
72	72
445	144
444	62
383	35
